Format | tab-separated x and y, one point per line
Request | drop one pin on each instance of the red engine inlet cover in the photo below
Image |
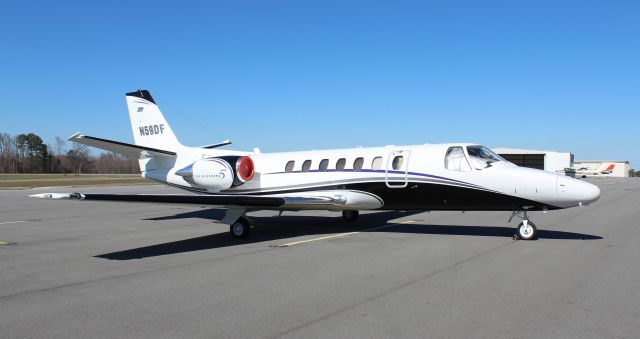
245	169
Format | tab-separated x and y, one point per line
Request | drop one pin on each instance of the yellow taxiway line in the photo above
342	234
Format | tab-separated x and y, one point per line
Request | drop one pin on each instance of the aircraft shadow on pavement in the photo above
485	231
266	229
291	226
205	213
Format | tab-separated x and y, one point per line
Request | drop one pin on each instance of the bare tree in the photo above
59	162
114	163
6	152
13	153
79	157
60	145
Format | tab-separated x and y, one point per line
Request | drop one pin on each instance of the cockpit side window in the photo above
482	157
455	160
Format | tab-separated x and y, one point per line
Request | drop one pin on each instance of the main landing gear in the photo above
350	215
239	224
241	229
526	229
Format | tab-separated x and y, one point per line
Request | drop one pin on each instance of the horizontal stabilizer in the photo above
220	144
118	147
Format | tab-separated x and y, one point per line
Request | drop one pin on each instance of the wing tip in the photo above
58	196
76	135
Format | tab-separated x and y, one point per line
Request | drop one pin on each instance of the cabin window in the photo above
340	164
357	164
397	162
323	165
289	167
376	164
455	160
306	166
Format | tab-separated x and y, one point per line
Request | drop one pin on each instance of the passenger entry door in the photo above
395	174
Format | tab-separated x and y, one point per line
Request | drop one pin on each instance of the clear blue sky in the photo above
294	75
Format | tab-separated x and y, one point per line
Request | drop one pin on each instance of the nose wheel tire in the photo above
526	231
240	229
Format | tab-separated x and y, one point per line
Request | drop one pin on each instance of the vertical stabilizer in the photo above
150	129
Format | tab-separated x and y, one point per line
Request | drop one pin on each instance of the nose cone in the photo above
578	192
587	192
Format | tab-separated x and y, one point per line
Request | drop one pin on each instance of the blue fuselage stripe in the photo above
378	171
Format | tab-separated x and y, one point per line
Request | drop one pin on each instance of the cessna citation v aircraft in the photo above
459	176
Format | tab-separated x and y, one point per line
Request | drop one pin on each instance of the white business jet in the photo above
458	176
585	172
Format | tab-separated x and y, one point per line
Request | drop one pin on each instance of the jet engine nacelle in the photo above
217	174
213	174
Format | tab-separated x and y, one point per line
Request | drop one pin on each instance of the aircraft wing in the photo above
324	200
242	200
118	147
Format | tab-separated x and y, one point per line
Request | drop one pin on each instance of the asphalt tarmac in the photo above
78	269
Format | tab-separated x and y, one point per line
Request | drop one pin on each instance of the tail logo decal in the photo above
609	169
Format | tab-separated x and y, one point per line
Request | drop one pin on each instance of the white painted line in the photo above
342	234
12	222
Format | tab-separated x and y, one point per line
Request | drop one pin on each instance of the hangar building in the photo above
602	168
558	162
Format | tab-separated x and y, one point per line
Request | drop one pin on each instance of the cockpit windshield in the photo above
482	156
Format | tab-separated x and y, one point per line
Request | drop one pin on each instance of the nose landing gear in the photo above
526	229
